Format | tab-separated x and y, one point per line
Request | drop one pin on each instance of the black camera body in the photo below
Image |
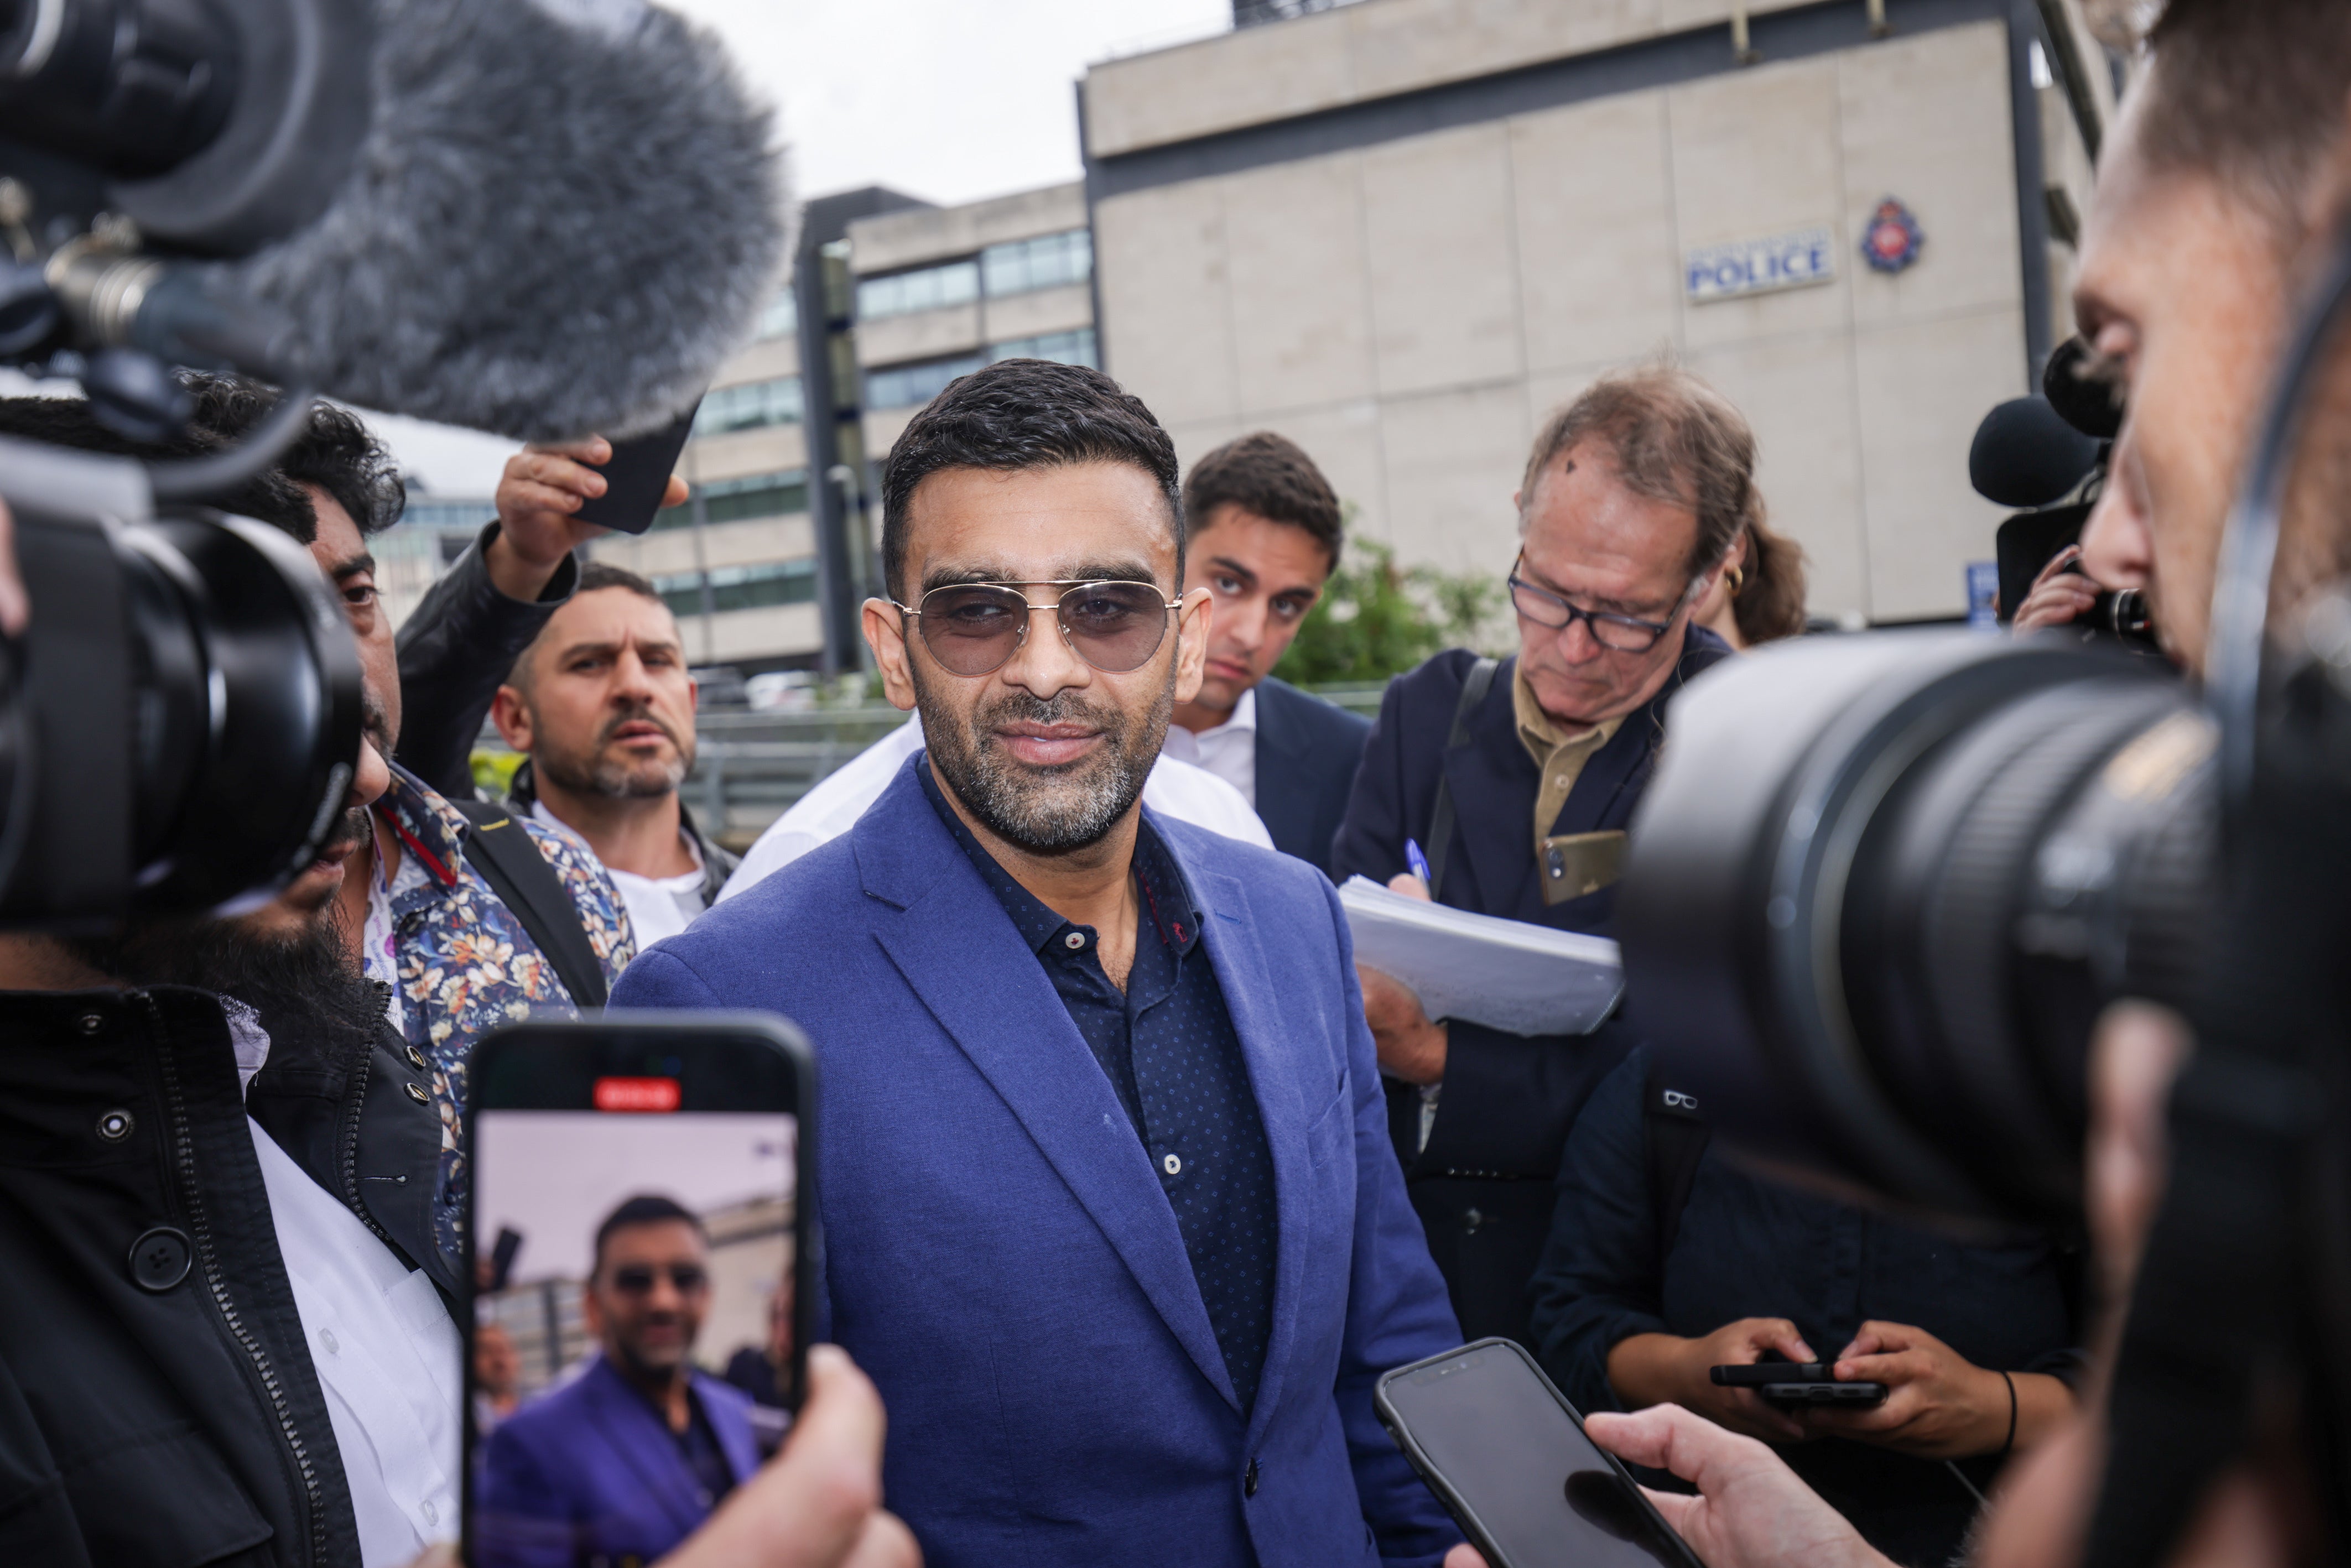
180	720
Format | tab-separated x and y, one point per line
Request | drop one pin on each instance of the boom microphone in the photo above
2026	455
561	216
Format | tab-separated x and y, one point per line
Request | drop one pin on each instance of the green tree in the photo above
1377	619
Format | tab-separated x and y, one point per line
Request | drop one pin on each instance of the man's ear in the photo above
886	633
511	714
1193	623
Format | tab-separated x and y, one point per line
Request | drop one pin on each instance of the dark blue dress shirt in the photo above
1168	1046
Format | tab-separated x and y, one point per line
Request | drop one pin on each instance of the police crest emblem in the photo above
1893	239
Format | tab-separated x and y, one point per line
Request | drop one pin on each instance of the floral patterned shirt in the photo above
464	963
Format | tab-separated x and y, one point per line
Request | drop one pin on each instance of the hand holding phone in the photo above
1806	1385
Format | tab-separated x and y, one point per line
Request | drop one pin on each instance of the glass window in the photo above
928	289
469	515
1068	348
740	500
1049	261
911	386
741	587
749	406
781	319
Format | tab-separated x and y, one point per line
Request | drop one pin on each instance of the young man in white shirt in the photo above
1262	535
602	707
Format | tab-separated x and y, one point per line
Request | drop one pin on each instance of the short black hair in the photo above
1019	414
601	574
1271	475
335	452
645	1209
268	497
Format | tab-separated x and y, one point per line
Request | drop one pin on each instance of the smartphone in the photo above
694	1132
636	476
1800	1383
1506	1453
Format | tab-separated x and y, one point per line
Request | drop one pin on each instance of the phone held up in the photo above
1793	1384
641	1195
636	476
1506	1453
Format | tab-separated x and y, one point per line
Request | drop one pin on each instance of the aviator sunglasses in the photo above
975	628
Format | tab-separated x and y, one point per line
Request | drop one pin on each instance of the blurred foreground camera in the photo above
1883	886
179	724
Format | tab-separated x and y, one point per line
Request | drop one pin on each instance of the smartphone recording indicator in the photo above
644	1094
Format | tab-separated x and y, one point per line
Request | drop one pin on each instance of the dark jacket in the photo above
1307	752
1752	1249
157	1400
455	649
1482	1185
718	864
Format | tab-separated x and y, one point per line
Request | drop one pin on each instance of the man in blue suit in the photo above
1110	1212
625	1460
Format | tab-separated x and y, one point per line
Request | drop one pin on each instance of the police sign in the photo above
1758	266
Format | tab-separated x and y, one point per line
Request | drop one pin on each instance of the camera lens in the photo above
184	729
1882	886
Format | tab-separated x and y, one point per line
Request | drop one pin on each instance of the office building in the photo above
1401	231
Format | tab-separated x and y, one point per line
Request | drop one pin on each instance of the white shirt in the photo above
658	907
1174	790
1228	750
385	1351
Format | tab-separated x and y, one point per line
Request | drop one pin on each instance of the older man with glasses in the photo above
1504	786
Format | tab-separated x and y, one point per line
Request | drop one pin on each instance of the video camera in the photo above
1882	887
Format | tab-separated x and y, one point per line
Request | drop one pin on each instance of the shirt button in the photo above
327	1337
1074	940
1172	1165
432	1514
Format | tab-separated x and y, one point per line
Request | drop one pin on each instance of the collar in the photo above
692	841
1243	717
1167	891
1542	734
429	827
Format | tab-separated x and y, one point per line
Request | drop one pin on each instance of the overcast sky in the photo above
950	100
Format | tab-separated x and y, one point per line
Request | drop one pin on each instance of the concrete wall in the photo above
1410	310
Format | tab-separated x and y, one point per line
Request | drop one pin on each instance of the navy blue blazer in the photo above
589	1473
999	1254
1482	1184
1307	753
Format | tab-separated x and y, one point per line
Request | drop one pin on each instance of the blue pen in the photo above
1415	859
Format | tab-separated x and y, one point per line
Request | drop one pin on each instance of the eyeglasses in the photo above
637	1279
1625	634
975	628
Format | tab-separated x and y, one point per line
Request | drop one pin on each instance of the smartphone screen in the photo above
636	476
1488	1430
639	1253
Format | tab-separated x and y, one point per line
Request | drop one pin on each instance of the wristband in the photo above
2011	1443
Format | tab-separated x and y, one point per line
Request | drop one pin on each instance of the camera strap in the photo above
1440	816
508	857
1676	1136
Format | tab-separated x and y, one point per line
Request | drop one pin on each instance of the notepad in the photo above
1504	974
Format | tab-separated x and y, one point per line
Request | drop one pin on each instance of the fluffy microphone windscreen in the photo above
2025	454
565	215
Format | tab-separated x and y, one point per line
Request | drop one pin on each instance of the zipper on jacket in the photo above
183	1159
347	1144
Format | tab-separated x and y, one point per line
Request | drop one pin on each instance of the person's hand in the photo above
1938	1404
1410	1046
1751	1510
16	604
2058	597
543	485
1666	1369
818	1503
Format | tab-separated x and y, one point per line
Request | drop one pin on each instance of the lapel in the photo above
1237	953
1284	803
965	962
733	1434
1493	781
634	1433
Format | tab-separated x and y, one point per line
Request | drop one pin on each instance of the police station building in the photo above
1403	231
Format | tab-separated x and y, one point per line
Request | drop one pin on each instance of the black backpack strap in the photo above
509	861
1440	817
1676	1139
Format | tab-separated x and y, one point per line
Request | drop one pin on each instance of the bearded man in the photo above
601	706
1109	1207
